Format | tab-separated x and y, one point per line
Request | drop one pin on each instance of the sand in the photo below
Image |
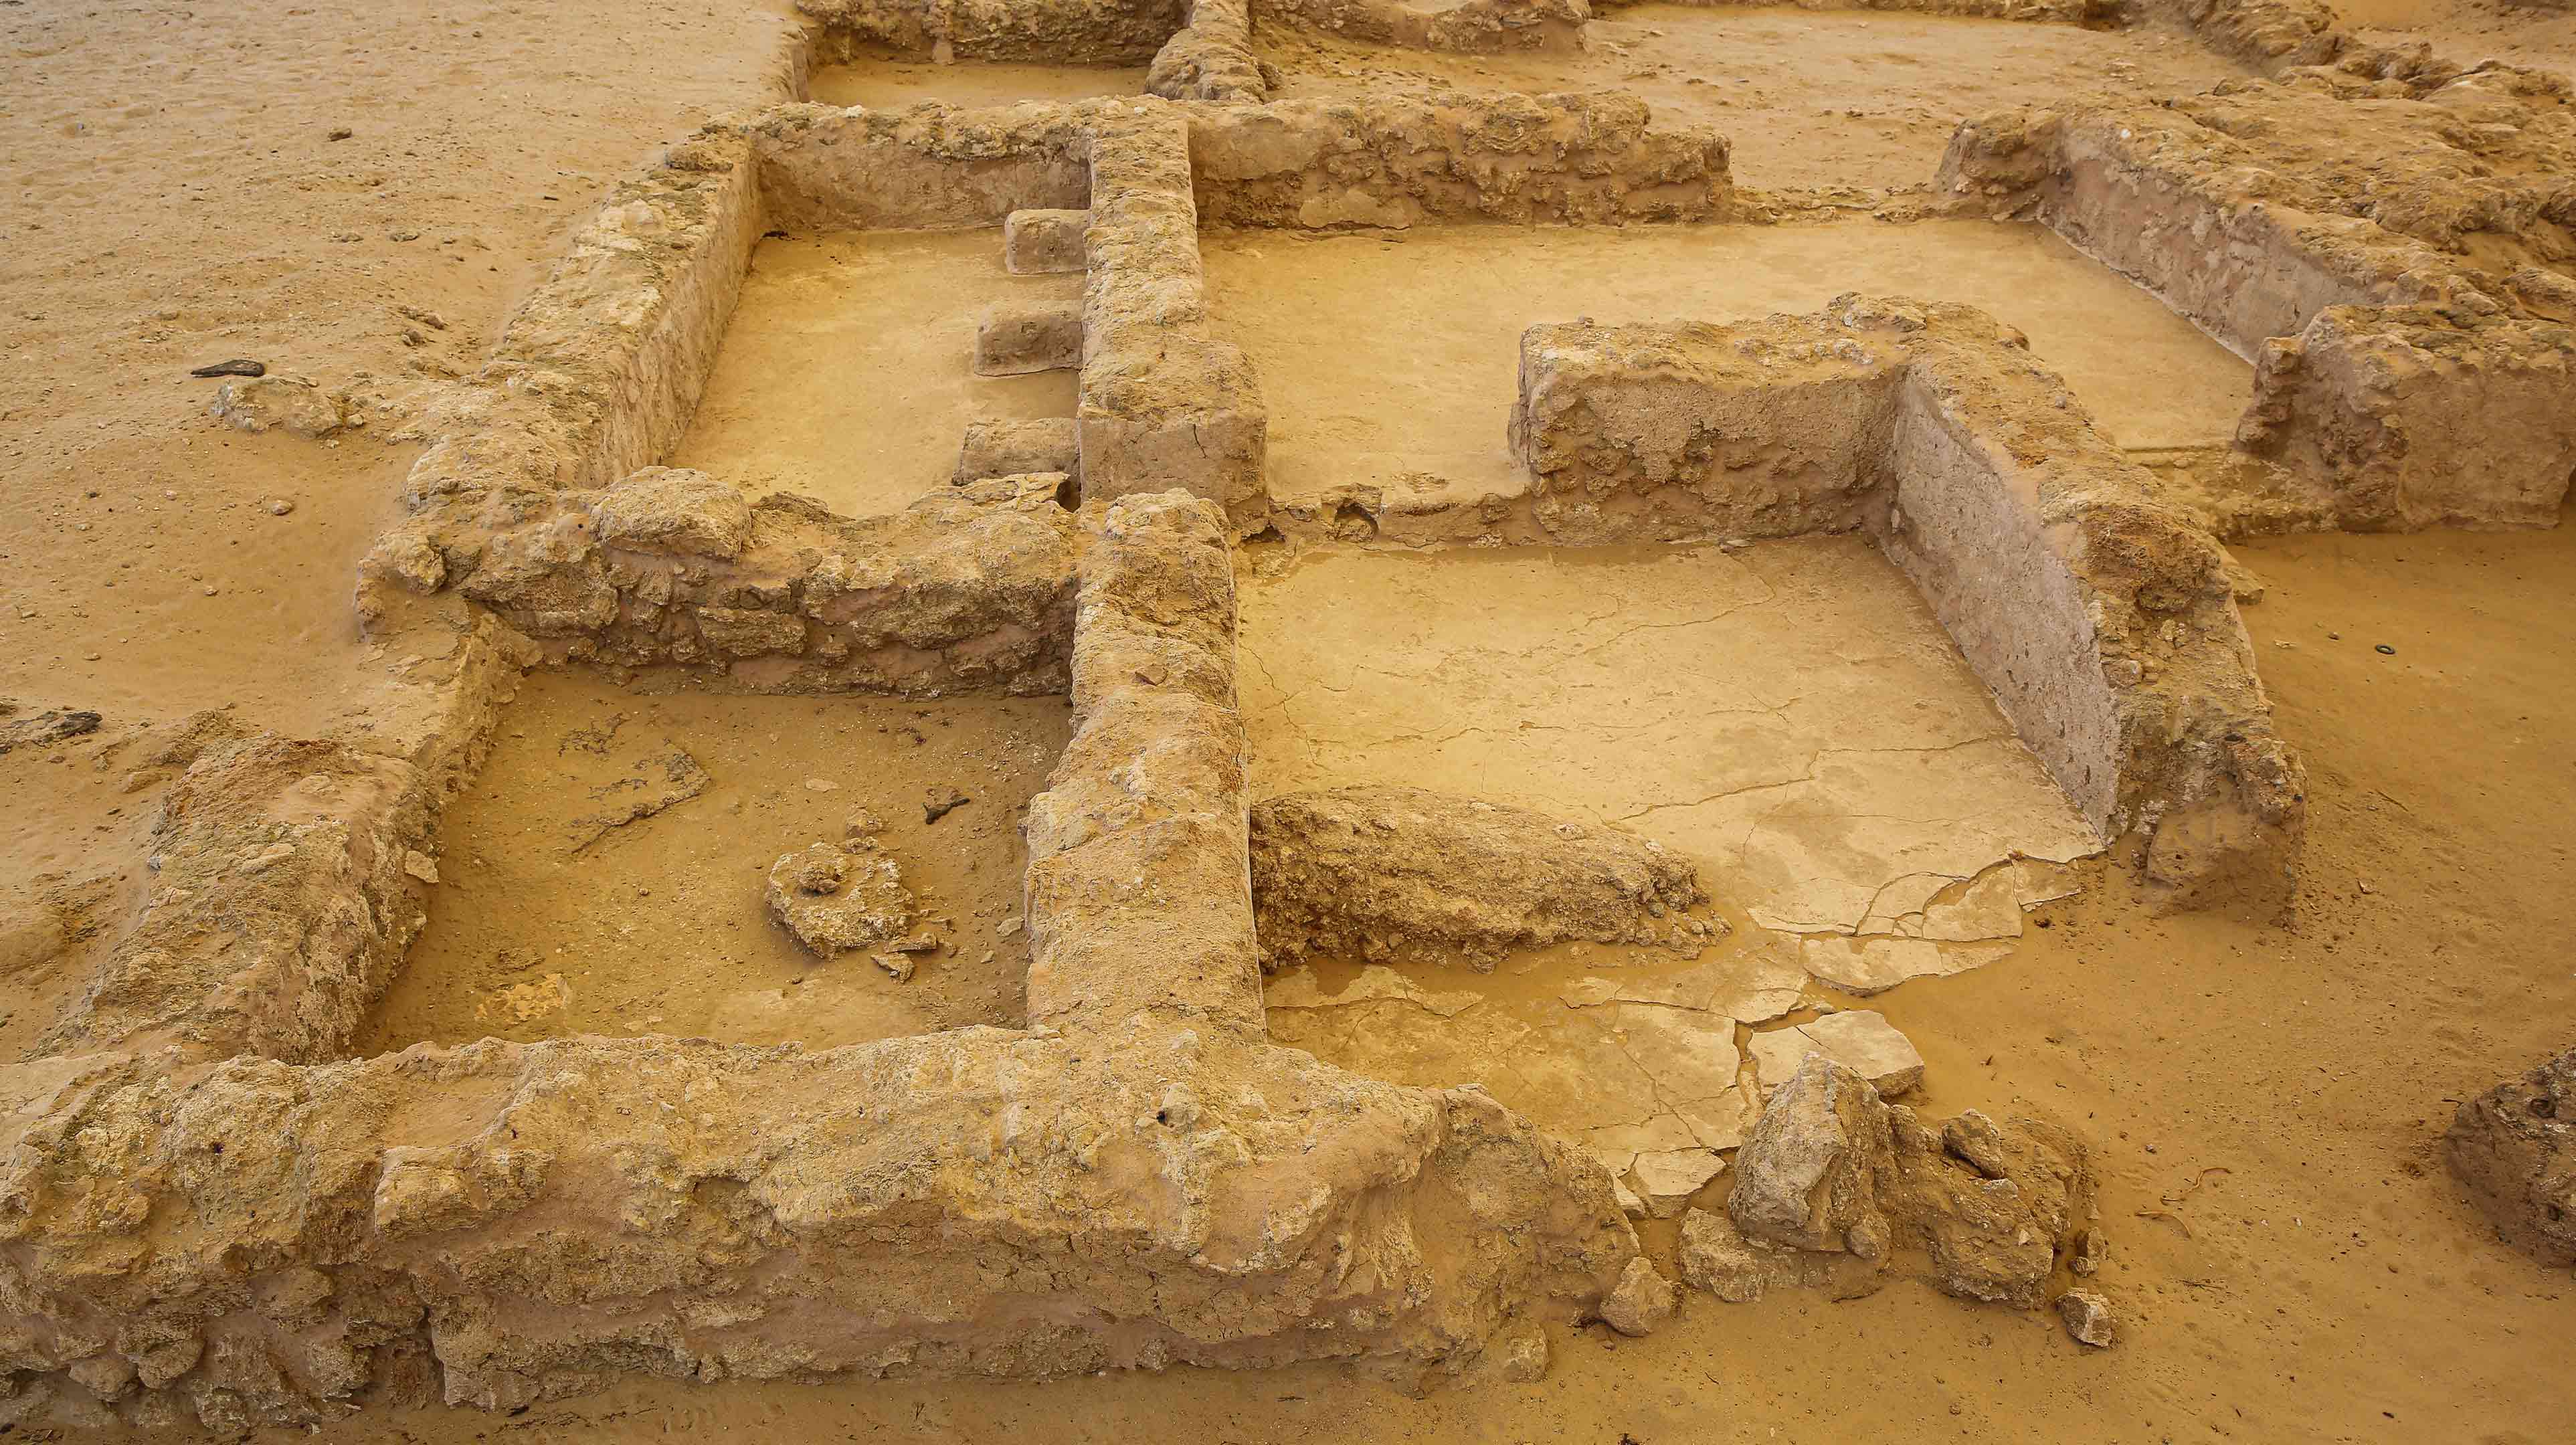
2291	1262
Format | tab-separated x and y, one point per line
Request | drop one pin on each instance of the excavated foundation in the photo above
886	480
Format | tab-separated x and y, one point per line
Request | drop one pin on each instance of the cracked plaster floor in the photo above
1788	715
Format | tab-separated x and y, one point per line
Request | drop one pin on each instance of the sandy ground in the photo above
848	375
2469	31
547	921
1849	105
2290	1261
1390	357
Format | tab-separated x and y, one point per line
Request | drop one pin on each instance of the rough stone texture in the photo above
279	905
1830	1167
835	898
1211	57
1137	894
1665	1179
970	589
1038	243
2514	1149
1642	1303
1163	403
1716	1258
1053	32
2102	619
2088	1318
1476	26
1015	340
1811	1175
2420	417
504	1223
1858	1039
2387	238
1991	1207
1400	161
660	509
1019	448
257	404
1403	873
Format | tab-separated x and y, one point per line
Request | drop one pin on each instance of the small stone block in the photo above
1017	340
1040	243
999	448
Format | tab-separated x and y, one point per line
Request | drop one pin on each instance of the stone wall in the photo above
1482	26
1048	32
2102	620
1592	158
2336	229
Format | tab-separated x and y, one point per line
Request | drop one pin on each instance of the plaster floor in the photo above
1852	104
1391	359
1788	715
544	924
847	374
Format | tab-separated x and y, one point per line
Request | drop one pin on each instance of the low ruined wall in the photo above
1139	892
250	1243
2399	383
2102	621
1211	58
1164	404
1317	164
969	589
1048	32
2421	421
1476	26
924	168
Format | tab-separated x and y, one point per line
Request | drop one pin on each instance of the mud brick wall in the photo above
1211	58
2102	621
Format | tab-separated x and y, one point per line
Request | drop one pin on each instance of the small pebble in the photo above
2385	650
279	507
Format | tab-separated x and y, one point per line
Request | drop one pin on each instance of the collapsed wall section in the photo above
2102	621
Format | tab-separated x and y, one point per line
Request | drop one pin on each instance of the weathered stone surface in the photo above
1503	157
2088	1318
260	403
2514	1149
2362	231
1858	1039
834	898
1714	1257
1475	26
1381	873
1015	339
1043	242
1990	1206
1210	58
1035	447
1056	32
1811	1175
1667	1178
671	510
1642	1303
2116	650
